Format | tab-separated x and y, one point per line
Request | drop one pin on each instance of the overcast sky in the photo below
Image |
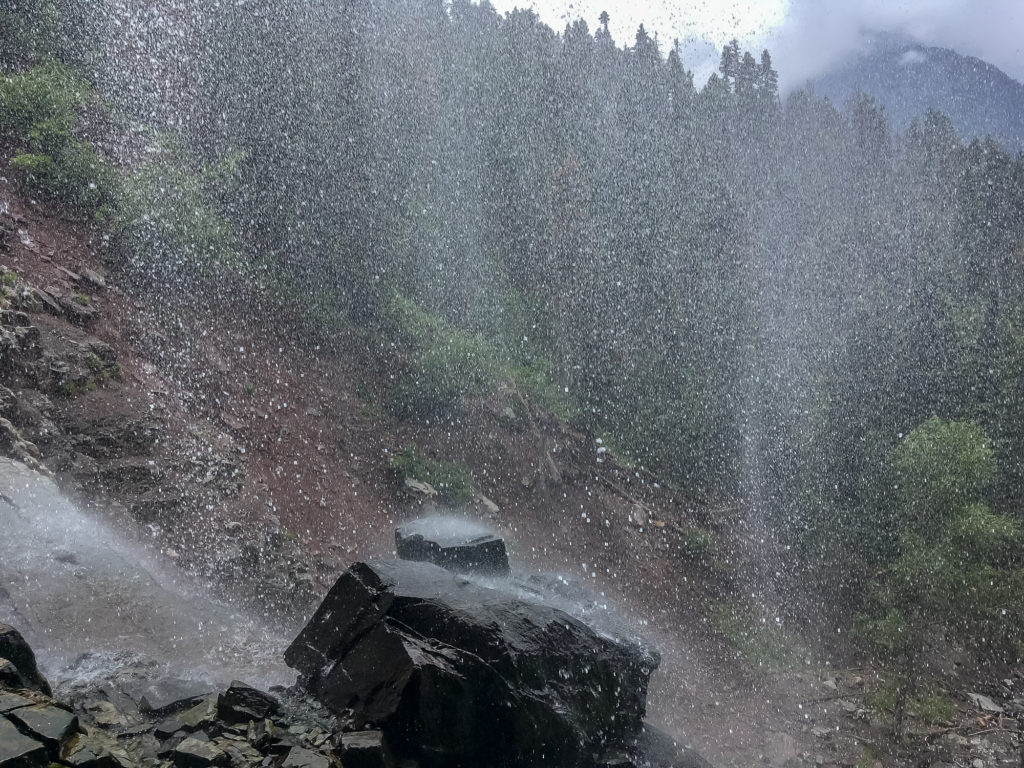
804	36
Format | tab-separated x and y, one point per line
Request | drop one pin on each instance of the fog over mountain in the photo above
908	79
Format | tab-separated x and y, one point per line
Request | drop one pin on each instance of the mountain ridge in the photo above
908	78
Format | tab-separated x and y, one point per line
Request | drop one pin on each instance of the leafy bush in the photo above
39	112
168	222
930	708
451	480
49	93
535	382
444	363
759	645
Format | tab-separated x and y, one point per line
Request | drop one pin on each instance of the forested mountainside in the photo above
909	79
785	305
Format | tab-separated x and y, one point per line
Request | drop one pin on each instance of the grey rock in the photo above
9	701
14	648
79	314
242	703
167	728
461	546
984	703
10	676
19	751
172	694
194	753
94	278
8	403
48	723
202	714
106	714
305	758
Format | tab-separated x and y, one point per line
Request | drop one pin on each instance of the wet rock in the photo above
14	446
18	750
242	703
8	403
455	672
9	701
200	716
171	695
418	489
364	749
240	753
10	677
657	749
94	278
457	545
167	728
47	723
195	753
114	437
79	314
261	734
49	303
305	758
984	703
104	713
14	648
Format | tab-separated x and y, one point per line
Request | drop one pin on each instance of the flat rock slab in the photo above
47	722
89	752
9	701
364	749
459	545
193	753
172	694
306	758
19	751
455	671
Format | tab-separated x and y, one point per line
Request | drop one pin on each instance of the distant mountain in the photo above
908	78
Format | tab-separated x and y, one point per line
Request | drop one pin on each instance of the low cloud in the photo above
818	34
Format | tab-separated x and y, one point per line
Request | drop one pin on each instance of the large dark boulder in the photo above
458	545
459	673
14	648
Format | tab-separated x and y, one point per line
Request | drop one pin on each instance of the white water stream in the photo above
73	585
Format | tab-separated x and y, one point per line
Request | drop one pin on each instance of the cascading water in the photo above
75	586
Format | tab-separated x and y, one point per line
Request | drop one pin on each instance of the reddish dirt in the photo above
299	418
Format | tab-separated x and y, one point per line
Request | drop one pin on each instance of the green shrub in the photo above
168	223
941	466
442	363
49	93
535	382
451	480
39	112
759	645
929	707
958	573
